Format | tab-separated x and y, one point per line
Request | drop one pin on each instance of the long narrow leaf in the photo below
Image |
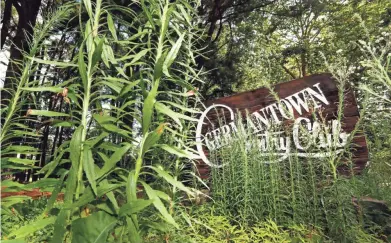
46	113
158	204
88	167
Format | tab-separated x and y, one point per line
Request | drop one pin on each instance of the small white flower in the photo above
339	51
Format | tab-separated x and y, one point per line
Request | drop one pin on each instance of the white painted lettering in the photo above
299	102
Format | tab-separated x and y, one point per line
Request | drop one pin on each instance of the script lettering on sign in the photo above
308	106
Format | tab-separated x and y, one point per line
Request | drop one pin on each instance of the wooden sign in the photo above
311	103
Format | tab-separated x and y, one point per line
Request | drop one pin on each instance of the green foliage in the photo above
376	83
23	218
253	188
284	40
203	225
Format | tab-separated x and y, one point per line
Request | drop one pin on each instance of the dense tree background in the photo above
275	41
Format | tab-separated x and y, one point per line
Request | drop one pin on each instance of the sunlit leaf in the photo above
41	89
46	113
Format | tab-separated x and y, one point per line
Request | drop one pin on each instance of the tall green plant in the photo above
376	84
15	115
18	139
133	85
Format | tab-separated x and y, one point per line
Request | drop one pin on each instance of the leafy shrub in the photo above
23	215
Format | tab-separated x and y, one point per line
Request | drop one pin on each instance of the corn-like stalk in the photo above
136	78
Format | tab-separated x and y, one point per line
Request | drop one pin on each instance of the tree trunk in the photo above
6	22
27	11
